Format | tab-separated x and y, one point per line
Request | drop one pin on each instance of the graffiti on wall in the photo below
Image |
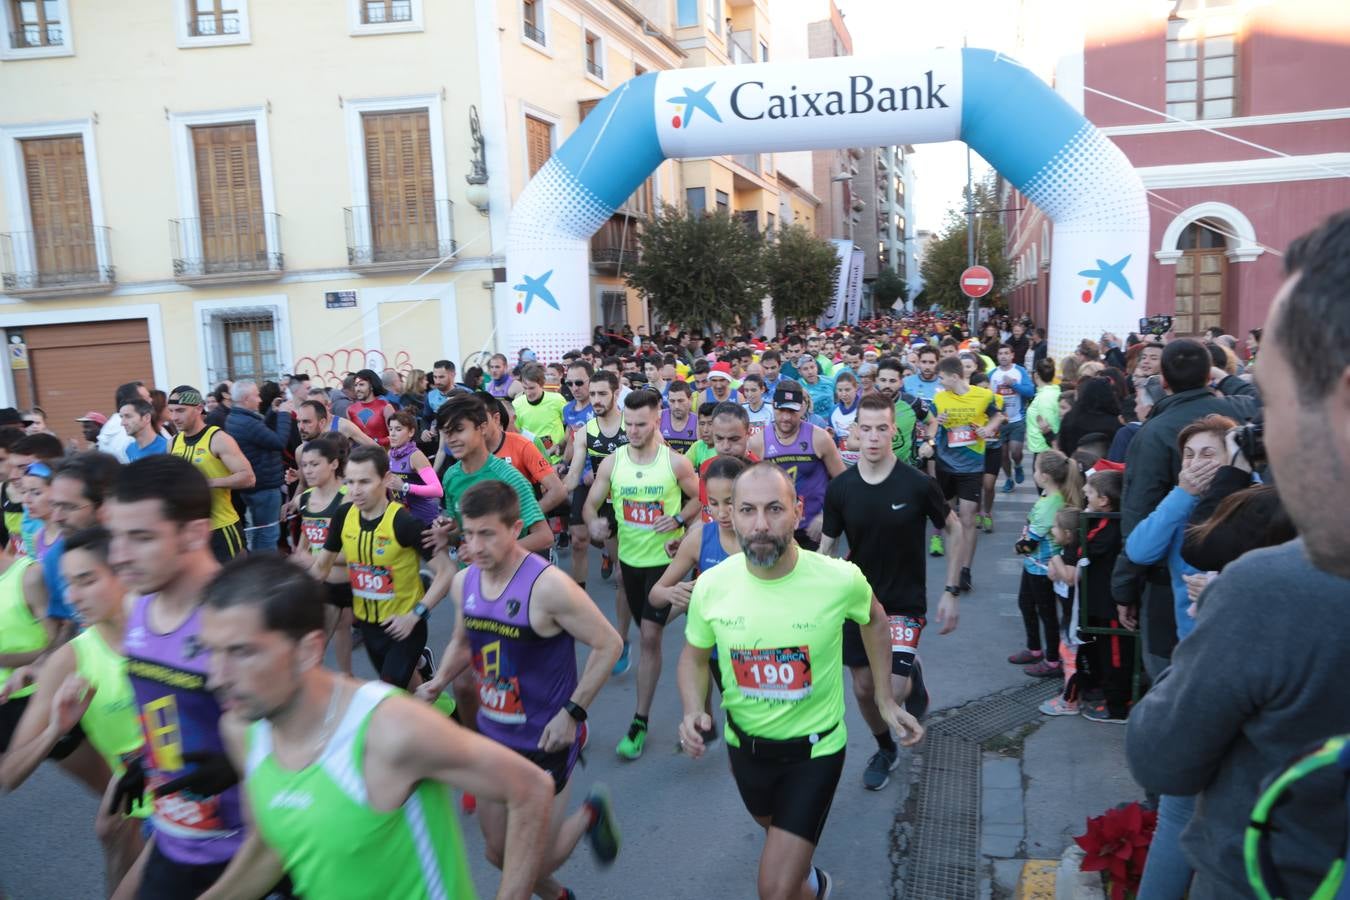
329	369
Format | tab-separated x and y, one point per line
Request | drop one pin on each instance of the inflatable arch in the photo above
1054	156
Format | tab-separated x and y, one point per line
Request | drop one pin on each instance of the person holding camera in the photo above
1262	675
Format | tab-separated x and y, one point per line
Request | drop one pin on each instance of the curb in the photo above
1037	881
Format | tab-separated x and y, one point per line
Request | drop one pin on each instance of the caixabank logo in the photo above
531	289
754	100
1105	275
692	101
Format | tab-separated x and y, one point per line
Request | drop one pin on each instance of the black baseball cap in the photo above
788	396
185	395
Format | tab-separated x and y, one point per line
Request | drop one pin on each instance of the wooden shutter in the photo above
58	199
585	107
229	198
538	142
401	184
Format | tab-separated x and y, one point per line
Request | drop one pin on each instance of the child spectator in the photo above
1105	661
1063	570
1062	482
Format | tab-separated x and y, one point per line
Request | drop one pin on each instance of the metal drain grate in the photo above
999	714
945	859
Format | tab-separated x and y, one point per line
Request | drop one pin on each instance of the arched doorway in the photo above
1201	278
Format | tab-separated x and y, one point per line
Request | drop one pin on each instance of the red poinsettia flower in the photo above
1117	843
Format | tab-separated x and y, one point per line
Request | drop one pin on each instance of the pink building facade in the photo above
1262	154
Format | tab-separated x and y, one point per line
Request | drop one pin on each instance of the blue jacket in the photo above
260	444
1159	537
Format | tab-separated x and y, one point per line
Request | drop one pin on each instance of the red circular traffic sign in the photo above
977	281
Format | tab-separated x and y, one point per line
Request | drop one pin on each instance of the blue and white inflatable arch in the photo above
1024	129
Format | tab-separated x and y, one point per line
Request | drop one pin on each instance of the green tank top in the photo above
111	722
19	631
641	495
319	821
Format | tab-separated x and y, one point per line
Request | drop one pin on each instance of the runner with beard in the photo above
370	411
775	614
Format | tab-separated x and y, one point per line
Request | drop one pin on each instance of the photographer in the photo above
1262	676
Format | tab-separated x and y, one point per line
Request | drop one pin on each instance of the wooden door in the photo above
401	185
58	201
229	198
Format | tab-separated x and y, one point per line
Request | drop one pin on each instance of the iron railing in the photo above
228	244
395	233
207	25
614	244
536	34
30	36
56	257
379	13
595	69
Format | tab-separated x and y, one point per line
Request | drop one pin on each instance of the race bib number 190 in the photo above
781	673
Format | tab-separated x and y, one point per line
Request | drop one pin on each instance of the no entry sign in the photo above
977	281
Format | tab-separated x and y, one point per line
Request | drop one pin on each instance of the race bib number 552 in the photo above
779	673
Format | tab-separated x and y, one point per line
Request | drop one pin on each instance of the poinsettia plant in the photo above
1116	844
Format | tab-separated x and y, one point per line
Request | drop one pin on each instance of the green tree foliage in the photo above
946	257
802	272
696	270
889	289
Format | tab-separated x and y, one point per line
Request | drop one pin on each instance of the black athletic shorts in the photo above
559	763
905	633
993	459
395	661
164	879
10	714
578	504
338	593
795	796
227	543
961	485
638	582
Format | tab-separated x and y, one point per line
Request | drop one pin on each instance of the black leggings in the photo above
1036	600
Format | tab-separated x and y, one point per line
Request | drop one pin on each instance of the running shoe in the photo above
916	704
564	539
1044	669
1101	714
1058	706
986	524
966	585
1025	657
624	663
826	883
426	664
604	829
1008	486
1019	474
630	747
935	545
606	566
879	766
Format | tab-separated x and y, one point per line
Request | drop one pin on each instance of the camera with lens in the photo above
1250	439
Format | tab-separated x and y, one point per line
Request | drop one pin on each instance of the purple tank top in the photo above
681	440
502	388
798	458
180	716
523	679
424	509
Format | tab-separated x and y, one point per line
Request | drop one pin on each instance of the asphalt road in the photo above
685	832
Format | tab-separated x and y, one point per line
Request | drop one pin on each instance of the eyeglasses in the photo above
68	508
577	383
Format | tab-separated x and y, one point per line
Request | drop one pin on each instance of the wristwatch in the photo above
421	610
954	590
679	520
576	711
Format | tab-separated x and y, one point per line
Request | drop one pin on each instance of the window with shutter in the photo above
401	185
229	198
538	143
36	23
58	200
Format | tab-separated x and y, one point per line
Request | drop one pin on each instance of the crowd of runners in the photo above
171	584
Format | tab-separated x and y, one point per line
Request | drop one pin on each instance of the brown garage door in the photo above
76	368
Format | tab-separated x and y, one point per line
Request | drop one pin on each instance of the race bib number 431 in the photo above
780	673
642	513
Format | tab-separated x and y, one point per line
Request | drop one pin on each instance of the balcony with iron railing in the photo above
535	33
398	236
226	248
595	69
29	37
56	261
614	245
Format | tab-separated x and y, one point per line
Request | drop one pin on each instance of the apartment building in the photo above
209	189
